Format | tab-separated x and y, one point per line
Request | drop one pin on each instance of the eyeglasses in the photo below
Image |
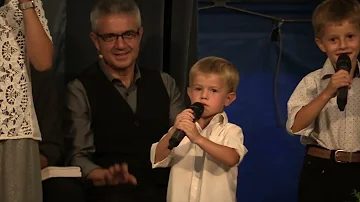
112	37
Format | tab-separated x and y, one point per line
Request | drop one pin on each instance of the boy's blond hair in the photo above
217	66
335	11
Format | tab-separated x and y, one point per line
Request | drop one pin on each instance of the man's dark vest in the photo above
120	135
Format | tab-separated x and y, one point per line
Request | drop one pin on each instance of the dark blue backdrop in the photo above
270	170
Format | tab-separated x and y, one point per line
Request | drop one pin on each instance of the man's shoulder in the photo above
84	73
166	77
77	80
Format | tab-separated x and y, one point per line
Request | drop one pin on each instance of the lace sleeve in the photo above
41	14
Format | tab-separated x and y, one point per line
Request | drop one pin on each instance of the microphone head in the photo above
198	109
343	62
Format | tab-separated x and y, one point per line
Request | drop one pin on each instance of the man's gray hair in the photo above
108	7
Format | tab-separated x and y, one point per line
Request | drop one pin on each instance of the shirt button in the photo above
136	123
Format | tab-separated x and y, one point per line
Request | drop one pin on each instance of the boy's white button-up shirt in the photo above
197	177
332	129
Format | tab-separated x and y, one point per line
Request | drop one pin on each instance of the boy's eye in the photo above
332	39
350	36
197	89
213	90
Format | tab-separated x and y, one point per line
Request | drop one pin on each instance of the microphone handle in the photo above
342	98
176	139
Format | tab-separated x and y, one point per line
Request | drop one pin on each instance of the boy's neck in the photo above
204	121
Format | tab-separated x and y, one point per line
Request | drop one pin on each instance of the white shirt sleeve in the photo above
303	94
161	164
234	138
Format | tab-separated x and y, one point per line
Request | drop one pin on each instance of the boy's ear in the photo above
320	44
230	98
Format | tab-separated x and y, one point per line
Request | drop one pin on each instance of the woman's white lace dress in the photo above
20	179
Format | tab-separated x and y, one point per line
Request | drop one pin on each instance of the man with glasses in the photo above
116	109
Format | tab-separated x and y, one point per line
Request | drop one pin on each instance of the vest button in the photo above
136	123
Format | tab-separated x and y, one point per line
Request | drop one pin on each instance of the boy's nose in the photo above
204	95
343	44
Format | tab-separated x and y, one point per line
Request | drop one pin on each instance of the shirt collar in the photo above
328	70
220	118
137	74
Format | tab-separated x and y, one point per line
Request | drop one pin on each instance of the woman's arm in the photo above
39	47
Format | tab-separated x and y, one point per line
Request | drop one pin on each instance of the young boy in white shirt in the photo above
204	166
331	167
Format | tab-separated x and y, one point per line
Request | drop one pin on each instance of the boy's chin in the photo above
209	115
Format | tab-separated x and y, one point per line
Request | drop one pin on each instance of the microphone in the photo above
178	135
344	63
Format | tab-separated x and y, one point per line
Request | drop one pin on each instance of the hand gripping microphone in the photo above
178	135
344	63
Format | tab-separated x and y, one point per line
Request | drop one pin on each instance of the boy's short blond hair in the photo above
217	66
335	11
